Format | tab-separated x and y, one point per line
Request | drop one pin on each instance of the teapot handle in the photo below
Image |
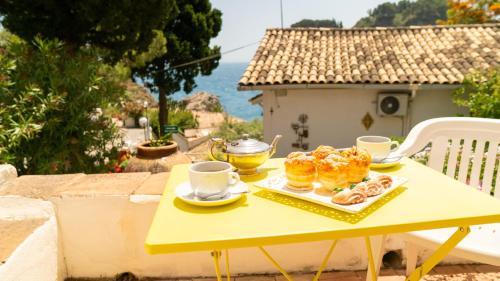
213	144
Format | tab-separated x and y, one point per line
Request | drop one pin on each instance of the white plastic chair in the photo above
456	144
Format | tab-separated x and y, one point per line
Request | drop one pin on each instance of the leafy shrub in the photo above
50	97
231	130
177	116
480	93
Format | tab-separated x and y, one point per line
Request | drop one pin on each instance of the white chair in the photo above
458	147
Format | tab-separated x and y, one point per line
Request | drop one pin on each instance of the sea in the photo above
223	82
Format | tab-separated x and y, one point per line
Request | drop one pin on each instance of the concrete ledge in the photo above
121	184
153	185
29	247
20	208
40	186
36	258
12	233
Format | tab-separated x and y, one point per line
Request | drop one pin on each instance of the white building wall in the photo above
335	115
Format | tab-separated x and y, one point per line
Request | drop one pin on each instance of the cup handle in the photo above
234	178
394	146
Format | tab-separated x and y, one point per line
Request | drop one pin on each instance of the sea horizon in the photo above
223	82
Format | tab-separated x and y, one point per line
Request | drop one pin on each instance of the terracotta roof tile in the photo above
420	54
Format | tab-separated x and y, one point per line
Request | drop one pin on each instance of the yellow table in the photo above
428	200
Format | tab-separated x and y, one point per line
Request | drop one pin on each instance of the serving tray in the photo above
278	184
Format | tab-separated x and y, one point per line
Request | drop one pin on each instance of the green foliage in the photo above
405	13
49	100
163	140
318	23
231	130
188	33
118	26
177	115
472	11
480	93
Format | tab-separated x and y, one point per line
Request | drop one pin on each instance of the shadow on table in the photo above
181	205
326	211
262	173
388	169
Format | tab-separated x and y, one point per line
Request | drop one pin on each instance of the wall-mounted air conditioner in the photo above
392	104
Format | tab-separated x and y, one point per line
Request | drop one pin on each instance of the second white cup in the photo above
378	147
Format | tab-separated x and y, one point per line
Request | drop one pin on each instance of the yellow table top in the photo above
428	200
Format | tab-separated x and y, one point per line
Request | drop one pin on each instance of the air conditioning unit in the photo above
392	104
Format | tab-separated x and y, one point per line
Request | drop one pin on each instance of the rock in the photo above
7	172
203	101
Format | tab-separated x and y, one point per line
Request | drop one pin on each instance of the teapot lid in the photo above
246	145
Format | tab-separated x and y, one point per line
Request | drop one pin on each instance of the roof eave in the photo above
349	86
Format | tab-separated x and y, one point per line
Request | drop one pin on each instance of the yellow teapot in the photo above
245	154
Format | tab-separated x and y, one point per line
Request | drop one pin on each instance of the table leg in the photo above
216	255
325	260
374	256
439	254
228	274
276	264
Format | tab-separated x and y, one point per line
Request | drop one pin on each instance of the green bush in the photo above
480	93
49	100
177	116
231	130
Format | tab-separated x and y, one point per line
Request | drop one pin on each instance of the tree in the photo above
188	54
472	11
405	13
318	23
50	96
480	93
118	26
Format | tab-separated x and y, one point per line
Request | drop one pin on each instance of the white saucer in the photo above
185	193
389	161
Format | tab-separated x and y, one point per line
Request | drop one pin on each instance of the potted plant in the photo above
158	155
160	147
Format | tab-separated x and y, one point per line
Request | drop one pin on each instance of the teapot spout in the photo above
274	144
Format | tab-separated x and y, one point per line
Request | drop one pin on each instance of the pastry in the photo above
322	151
300	171
384	180
332	173
349	196
359	164
371	187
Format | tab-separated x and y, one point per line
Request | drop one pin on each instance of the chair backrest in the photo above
464	148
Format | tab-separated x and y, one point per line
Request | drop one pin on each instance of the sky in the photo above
245	21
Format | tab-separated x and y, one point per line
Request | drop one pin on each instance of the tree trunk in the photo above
163	112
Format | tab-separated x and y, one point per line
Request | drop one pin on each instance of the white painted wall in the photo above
335	115
104	236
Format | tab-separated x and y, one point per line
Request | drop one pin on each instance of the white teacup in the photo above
211	177
378	147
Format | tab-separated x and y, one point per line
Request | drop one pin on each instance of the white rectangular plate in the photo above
278	184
